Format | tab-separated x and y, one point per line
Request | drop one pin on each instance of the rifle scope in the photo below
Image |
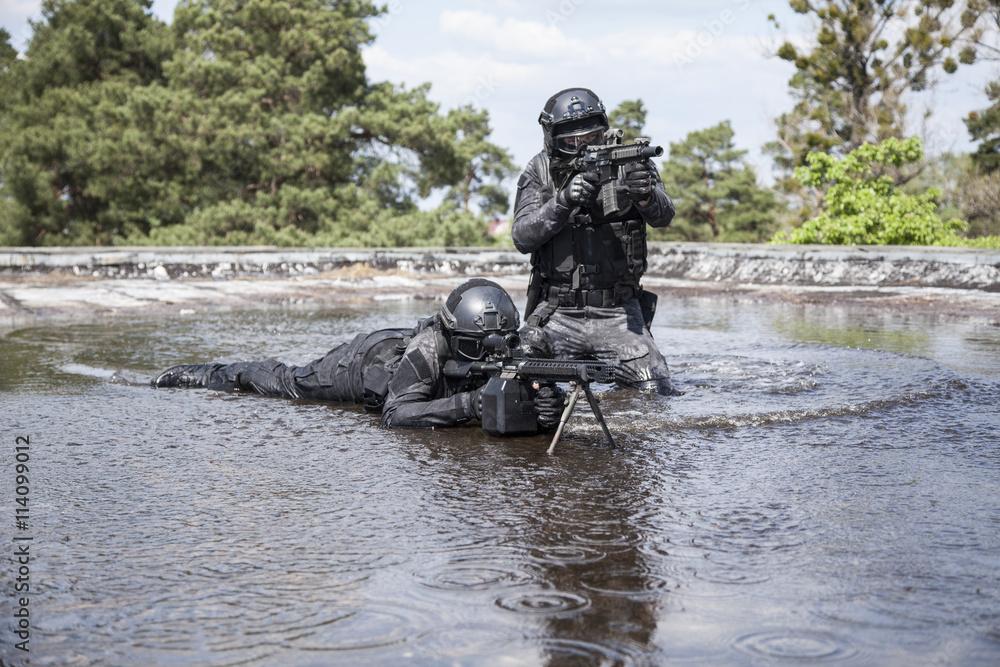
505	345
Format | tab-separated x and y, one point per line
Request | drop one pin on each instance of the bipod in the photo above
569	410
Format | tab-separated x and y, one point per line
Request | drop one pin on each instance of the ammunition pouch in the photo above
508	408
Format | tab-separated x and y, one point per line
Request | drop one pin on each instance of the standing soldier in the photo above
584	297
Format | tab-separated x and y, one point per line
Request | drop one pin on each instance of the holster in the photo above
534	290
647	302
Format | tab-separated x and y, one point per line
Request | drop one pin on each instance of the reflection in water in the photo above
825	491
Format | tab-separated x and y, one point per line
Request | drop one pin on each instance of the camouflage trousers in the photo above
338	376
616	335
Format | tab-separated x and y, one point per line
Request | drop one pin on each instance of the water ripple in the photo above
544	603
365	626
582	652
477	573
627	581
567	554
794	645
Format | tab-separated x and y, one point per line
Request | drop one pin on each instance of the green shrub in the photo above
863	206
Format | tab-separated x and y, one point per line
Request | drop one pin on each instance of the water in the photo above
825	492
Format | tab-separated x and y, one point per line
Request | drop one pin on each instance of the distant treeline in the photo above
254	122
241	123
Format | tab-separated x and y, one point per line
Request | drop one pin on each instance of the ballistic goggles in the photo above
473	347
470	348
572	142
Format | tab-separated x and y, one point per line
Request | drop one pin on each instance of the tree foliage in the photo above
486	165
984	125
76	163
967	192
630	118
979	201
715	192
986	42
851	87
861	207
8	54
984	128
246	121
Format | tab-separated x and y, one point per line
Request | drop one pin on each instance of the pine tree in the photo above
292	139
984	127
487	165
851	87
246	121
715	192
8	54
630	118
73	140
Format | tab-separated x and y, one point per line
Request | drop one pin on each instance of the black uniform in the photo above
589	269
401	367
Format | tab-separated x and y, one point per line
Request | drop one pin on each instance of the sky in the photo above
693	64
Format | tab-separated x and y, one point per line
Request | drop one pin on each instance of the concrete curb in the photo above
856	266
94	282
861	266
222	263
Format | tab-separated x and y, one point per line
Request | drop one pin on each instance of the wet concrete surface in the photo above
99	282
823	492
78	283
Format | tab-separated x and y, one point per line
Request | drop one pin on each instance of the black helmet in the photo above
473	311
572	119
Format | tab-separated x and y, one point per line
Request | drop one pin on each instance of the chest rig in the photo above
591	261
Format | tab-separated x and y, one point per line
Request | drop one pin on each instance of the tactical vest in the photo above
602	259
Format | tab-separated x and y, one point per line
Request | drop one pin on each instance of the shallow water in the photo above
826	491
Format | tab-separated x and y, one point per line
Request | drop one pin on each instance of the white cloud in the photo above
510	66
457	78
14	18
512	37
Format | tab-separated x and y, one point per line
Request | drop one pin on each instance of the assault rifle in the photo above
608	157
507	404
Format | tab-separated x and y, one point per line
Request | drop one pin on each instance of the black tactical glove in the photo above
582	190
549	404
639	183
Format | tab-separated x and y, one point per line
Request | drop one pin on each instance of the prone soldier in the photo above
397	372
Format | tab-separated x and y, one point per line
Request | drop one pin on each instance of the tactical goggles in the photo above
574	141
468	347
474	348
